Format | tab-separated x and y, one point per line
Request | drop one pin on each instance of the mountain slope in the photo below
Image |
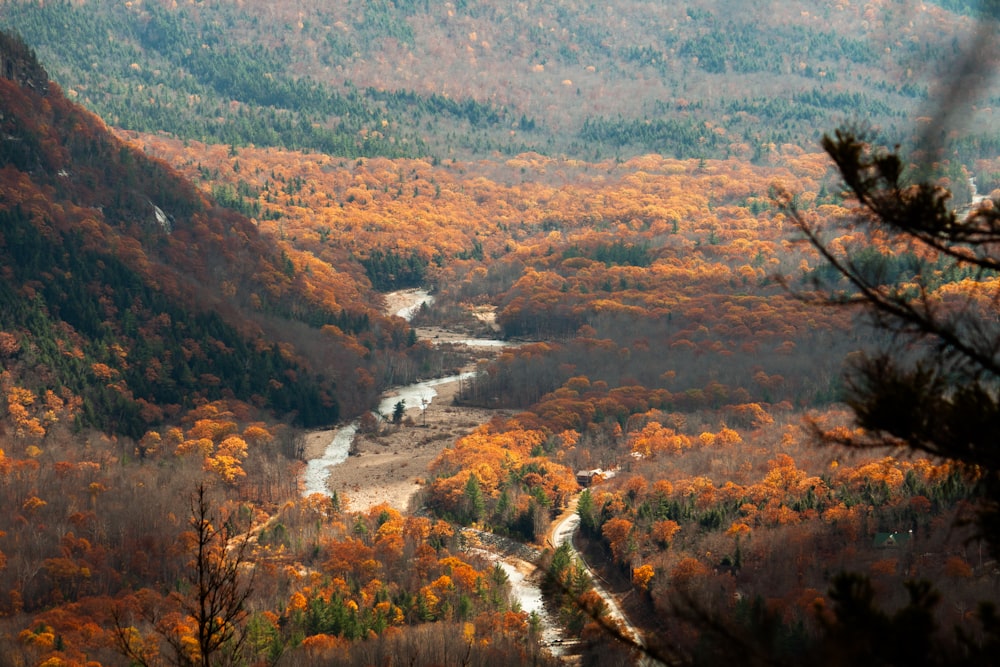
126	288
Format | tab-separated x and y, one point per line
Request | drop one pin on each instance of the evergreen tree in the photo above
937	393
474	505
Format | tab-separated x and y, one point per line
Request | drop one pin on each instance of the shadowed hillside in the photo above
127	288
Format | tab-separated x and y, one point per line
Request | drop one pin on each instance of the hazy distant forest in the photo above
204	204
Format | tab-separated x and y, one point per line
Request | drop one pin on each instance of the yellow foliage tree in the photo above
642	576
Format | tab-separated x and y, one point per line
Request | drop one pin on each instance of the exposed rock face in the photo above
19	64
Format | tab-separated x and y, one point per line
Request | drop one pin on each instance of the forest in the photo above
203	206
399	79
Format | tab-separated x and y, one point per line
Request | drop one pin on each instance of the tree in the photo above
473	502
206	625
934	389
219	588
398	410
618	533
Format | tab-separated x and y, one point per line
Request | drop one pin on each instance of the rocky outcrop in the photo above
19	64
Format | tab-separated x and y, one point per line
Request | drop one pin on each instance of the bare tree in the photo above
221	580
211	613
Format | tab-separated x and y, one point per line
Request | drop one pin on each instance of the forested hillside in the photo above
137	297
409	79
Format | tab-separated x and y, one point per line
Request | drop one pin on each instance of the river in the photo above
519	563
513	557
405	304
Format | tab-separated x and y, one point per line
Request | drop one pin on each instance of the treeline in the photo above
752	124
674	137
746	49
388	270
417	107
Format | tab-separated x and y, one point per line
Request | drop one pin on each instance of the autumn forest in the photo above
205	207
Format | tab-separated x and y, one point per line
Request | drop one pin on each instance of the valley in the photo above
322	327
388	466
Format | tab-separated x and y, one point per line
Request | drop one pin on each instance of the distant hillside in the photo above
125	290
473	77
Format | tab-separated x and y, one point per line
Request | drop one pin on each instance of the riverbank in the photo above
391	467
